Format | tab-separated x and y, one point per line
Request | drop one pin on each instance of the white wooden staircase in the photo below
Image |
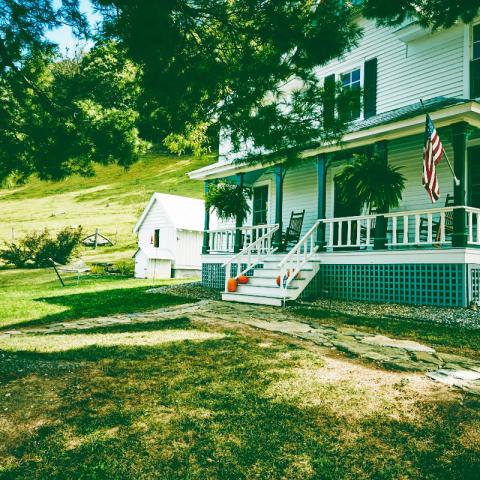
295	268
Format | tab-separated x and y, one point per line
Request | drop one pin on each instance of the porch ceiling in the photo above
398	123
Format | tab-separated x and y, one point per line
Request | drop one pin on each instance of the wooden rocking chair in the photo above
294	229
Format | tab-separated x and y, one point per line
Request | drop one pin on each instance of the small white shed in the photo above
170	235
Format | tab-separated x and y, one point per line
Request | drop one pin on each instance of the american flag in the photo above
432	154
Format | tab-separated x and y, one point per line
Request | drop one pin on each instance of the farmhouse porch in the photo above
418	254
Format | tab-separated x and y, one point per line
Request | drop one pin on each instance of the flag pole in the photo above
455	179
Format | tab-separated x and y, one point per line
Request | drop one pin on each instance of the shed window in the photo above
156	238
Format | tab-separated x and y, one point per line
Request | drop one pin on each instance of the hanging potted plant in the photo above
229	200
371	182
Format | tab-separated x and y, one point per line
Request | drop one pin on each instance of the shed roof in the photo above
184	213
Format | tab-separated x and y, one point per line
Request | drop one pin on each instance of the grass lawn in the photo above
35	297
185	399
111	200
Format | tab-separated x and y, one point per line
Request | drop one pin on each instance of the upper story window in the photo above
351	81
356	80
476	42
475	63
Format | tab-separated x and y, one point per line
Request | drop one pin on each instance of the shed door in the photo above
260	205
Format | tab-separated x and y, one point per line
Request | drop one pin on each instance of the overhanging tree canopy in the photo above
175	69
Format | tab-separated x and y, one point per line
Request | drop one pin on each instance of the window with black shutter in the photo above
370	88
156	238
475	64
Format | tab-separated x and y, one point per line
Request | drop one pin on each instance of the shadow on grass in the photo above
204	410
102	303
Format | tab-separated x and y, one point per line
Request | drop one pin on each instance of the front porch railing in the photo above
223	240
414	228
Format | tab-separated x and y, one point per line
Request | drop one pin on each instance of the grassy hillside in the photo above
111	201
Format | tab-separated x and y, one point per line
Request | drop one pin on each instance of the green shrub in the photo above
36	249
124	267
97	269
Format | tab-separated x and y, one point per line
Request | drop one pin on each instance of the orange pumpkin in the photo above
232	285
243	279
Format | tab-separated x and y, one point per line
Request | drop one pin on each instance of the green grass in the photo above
111	201
35	297
230	408
453	338
183	399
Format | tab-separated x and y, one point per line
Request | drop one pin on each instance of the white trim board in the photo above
388	257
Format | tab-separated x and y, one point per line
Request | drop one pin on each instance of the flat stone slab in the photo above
465	375
467	380
408	345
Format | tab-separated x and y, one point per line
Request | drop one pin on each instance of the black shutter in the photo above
329	101
370	88
475	78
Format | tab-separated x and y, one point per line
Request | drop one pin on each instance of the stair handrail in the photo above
253	254
296	259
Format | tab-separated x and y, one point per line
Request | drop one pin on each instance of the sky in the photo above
63	36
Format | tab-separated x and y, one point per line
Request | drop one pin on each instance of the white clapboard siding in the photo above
300	192
428	67
157	218
408	154
434	65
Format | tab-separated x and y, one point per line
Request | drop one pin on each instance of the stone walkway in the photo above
387	352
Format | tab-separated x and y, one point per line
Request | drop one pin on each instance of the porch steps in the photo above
262	288
255	299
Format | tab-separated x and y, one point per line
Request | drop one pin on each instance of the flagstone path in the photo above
387	352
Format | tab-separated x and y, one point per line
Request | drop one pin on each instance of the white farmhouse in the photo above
419	253
169	237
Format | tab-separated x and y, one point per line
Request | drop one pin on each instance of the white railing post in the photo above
429	228
477	217
417	229
394	230
470	227
367	241
442	227
405	229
